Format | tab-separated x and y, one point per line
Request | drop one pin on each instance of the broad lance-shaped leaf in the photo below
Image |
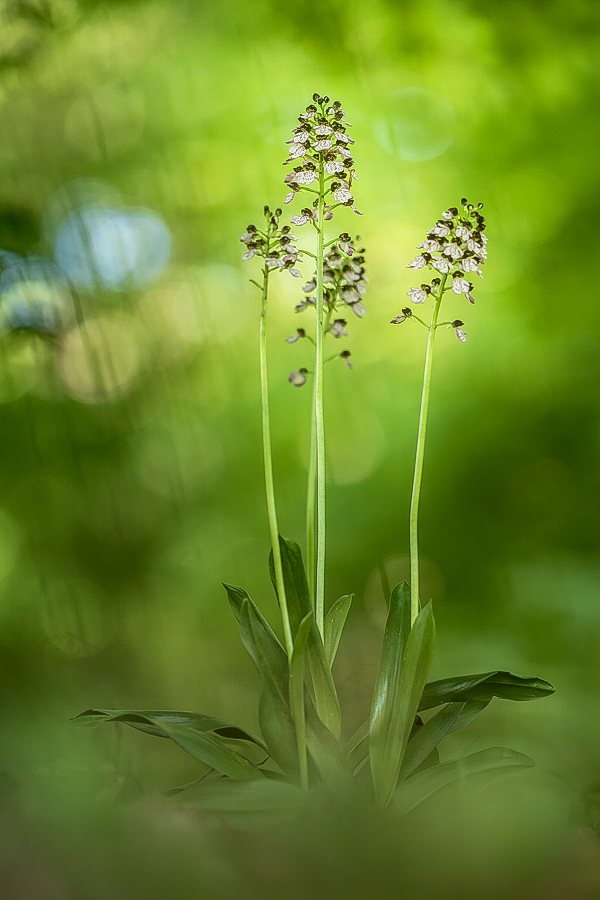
206	746
426	738
334	625
274	713
479	688
494	761
297	691
140	719
403	670
299	605
236	596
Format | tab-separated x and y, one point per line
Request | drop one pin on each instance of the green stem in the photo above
268	466
318	416
311	492
420	453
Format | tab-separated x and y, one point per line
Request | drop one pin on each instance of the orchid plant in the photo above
393	758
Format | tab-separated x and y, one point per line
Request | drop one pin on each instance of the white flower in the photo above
453	250
440	229
249	254
343	151
470	265
289	197
473	246
334	168
297	150
359	309
342	195
343	138
442	265
301	137
449	214
461	335
323	130
307	176
322	145
430	246
274	263
417	295
462	232
419	262
299	220
349	295
460	286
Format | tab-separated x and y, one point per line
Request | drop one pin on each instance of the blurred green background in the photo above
137	141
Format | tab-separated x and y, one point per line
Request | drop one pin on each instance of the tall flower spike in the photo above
321	139
454	246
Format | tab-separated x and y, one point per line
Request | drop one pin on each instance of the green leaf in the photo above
405	661
140	719
428	736
299	605
357	748
327	754
245	797
483	687
272	666
334	625
203	745
236	596
494	761
297	687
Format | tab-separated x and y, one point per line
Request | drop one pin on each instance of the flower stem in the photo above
420	453
268	467
318	416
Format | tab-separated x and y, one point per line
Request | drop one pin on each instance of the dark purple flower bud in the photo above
345	355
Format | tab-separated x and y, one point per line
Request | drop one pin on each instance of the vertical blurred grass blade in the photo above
397	695
272	665
334	625
494	761
299	605
297	692
236	596
428	736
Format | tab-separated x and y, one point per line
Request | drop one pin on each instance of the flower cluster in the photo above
275	245
344	286
344	282
454	247
321	148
